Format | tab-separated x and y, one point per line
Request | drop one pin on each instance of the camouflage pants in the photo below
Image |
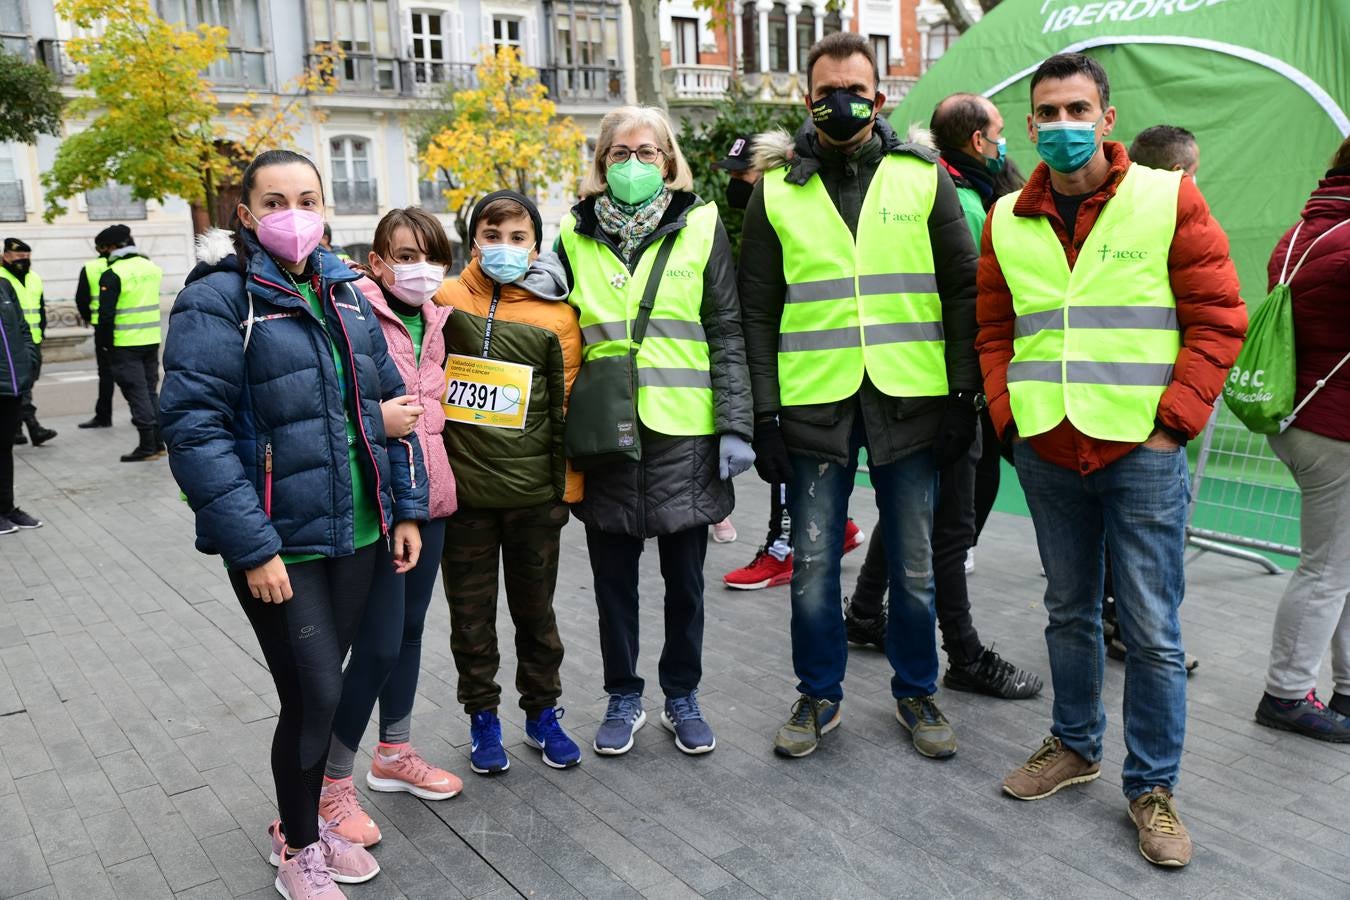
526	540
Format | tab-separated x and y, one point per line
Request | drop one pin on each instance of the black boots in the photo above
96	422
146	449
39	434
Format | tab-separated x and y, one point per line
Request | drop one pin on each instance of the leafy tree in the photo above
29	104
706	142
152	115
501	134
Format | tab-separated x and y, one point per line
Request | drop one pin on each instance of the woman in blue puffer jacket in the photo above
275	368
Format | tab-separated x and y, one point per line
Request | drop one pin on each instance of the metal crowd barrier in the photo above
1243	499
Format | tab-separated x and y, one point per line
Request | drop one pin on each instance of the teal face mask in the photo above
998	163
1066	146
504	263
633	181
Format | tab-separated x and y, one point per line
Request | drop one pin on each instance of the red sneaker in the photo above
853	537
764	571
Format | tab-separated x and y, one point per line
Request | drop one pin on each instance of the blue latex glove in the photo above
734	456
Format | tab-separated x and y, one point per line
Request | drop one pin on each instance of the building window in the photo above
12	208
506	32
353	185
686	42
750	39
778	38
806	36
428	46
431	193
881	49
245	61
113	202
940	40
833	23
362	29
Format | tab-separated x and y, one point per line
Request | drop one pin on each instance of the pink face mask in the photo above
416	283
290	234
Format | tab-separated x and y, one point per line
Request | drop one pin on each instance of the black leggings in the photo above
304	641
9	423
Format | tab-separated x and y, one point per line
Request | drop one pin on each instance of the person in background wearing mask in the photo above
968	132
86	301
1109	317
275	368
693	406
772	565
858	290
128	333
408	260
514	484
16	268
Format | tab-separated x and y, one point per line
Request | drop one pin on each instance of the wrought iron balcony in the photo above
583	85
240	67
355	197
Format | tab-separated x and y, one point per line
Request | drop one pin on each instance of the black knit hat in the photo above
113	236
14	245
524	201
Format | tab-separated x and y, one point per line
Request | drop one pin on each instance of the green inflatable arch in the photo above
1263	84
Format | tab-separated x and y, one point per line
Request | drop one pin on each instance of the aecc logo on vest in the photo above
1108	253
888	217
680	273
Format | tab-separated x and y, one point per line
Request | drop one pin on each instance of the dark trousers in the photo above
780	523
9	423
987	472
953	535
387	654
103	406
526	541
614	565
136	371
27	411
304	641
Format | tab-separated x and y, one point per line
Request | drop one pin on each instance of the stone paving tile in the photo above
135	716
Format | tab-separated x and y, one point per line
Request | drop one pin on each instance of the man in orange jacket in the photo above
1099	364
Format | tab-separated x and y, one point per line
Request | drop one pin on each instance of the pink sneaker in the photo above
410	772
724	532
305	877
343	860
339	807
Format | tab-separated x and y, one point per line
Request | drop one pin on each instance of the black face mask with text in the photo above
19	267
841	114
738	193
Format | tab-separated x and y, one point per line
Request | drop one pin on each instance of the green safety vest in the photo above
93	271
1096	344
674	368
29	292
136	319
858	306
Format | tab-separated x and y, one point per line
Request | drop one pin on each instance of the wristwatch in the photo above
976	399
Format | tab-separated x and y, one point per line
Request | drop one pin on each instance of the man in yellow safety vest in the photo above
857	286
86	301
1109	317
128	331
16	268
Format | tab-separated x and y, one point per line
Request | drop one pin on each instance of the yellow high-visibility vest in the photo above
136	318
29	292
1096	344
93	271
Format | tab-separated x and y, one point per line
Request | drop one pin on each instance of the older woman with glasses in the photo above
641	237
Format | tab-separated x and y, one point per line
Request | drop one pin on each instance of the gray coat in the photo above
675	485
895	426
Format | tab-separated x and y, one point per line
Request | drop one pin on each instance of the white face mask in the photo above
416	283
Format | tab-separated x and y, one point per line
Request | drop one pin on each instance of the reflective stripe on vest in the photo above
1096	344
93	271
865	305
136	322
29	292
674	369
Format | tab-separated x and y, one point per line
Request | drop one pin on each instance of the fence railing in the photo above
355	197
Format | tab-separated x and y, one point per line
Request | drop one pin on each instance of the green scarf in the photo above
629	225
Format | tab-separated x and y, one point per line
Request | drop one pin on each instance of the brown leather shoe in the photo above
1050	768
1163	840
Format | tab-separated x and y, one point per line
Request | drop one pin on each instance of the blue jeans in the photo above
1137	507
818	496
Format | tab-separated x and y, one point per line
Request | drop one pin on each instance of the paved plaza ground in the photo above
135	717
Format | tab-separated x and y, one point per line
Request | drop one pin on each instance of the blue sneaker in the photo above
623	718
683	717
487	756
545	734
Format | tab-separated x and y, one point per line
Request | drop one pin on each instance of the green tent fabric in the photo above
1263	84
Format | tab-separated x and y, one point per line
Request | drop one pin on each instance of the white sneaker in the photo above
724	532
970	561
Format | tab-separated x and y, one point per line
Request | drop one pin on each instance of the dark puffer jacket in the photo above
221	408
676	485
896	426
18	354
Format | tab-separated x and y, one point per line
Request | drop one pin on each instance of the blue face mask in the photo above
504	263
1066	146
998	163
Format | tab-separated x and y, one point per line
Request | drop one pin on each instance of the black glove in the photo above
771	454
957	431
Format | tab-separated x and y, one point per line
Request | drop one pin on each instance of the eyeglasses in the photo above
646	153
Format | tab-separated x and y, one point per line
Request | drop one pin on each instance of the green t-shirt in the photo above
417	327
365	512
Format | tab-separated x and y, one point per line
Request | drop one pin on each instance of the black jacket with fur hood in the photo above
895	426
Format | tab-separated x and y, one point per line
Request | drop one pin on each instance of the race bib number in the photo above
488	392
